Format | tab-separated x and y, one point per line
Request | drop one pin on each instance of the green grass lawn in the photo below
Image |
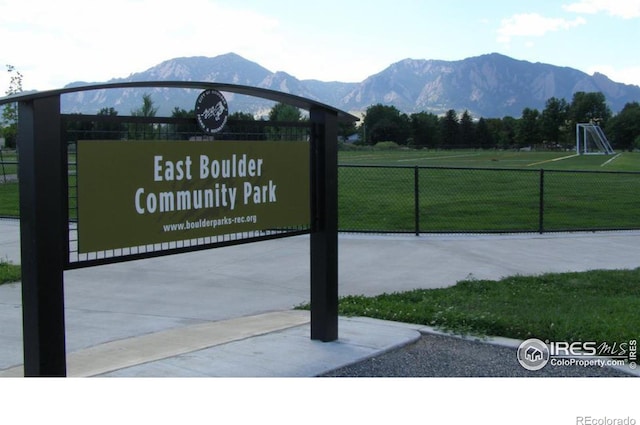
6	168
8	272
626	161
587	306
481	200
9	201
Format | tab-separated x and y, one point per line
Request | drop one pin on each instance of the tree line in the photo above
182	126
552	128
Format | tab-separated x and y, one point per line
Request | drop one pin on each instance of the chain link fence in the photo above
471	200
392	199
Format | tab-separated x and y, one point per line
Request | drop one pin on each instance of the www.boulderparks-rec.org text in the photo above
214	223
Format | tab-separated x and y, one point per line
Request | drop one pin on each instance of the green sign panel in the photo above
147	192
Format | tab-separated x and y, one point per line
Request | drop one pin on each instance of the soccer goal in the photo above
590	139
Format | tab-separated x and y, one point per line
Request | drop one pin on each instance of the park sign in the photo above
134	194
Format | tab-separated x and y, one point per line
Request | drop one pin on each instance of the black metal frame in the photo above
44	217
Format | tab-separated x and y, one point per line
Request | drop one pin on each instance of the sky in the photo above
53	43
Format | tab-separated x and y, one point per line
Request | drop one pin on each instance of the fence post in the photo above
416	198
541	210
4	175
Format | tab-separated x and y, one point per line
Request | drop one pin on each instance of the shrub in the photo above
386	146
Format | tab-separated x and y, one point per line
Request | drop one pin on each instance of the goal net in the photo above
590	139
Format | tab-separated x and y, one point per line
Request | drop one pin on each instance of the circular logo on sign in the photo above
211	111
533	354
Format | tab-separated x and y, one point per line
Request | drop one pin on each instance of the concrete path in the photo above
137	302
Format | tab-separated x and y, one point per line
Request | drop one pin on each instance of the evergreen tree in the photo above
467	131
450	130
484	138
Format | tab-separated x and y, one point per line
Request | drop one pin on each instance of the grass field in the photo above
490	191
626	161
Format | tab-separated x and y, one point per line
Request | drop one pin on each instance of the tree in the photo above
109	130
528	131
284	113
182	113
243	126
484	137
450	129
624	128
467	131
78	129
553	122
424	130
503	131
181	131
147	109
589	107
144	130
509	130
346	129
10	111
385	123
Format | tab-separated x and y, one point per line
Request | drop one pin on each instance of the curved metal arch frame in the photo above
44	223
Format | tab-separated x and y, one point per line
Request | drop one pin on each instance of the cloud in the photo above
626	9
533	25
83	42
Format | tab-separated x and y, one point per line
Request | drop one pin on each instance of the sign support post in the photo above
42	236
324	226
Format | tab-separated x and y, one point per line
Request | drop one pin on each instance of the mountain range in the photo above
489	86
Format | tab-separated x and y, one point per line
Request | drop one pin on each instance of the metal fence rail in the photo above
471	200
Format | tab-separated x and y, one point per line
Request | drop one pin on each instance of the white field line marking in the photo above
606	162
553	160
438	157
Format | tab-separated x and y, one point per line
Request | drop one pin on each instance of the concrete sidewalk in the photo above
227	311
267	345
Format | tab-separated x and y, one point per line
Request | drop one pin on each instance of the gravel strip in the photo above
446	356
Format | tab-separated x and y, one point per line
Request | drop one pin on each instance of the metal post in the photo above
541	208
416	198
42	227
4	174
324	225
